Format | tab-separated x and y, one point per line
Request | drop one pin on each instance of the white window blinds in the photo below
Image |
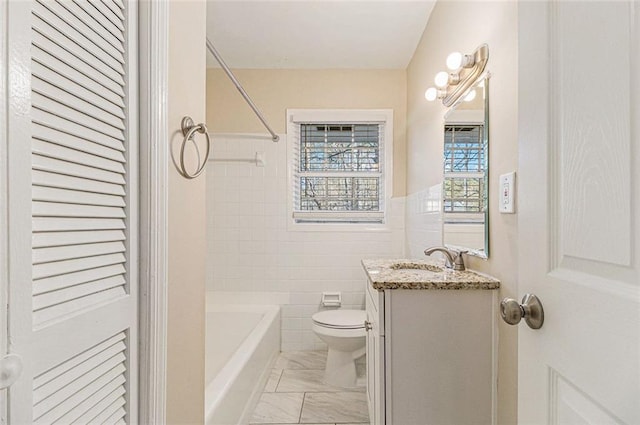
338	172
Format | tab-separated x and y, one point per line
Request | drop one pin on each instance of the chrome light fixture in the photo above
464	72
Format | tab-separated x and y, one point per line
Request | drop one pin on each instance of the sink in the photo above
401	273
416	266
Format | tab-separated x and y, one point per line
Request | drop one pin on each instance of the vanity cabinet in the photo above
431	356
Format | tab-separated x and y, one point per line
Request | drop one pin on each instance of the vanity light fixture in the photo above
444	78
457	60
466	69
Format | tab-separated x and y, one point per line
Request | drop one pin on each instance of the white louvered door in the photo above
72	143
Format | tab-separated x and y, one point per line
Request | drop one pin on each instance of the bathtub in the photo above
242	342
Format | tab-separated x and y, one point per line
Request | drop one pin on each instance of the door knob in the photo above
10	370
531	309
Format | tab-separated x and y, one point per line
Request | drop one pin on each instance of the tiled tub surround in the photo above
423	220
423	274
295	394
251	250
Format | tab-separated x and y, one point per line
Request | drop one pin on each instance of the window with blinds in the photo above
464	168
338	172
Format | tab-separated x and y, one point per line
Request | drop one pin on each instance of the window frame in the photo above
480	175
295	117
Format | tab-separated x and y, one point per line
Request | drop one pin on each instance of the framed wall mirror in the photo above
466	172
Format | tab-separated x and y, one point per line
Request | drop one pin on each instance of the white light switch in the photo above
507	193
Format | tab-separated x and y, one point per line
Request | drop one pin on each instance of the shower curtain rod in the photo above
244	94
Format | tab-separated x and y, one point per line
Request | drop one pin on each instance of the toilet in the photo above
344	333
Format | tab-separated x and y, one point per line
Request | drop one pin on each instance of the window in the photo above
464	168
339	160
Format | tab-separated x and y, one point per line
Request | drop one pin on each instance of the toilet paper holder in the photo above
331	299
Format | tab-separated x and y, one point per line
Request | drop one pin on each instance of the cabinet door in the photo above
378	375
375	361
371	357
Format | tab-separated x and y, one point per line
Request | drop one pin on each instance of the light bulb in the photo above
469	97
431	94
442	78
454	61
454	78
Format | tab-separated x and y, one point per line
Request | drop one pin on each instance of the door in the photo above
72	211
579	211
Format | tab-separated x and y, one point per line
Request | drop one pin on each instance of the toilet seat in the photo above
340	319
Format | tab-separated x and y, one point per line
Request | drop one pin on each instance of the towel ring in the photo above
189	130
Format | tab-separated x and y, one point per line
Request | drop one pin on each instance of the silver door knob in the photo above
10	370
531	309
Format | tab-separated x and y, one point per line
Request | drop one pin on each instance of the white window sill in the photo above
292	226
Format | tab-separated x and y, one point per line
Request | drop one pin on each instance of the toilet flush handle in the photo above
367	325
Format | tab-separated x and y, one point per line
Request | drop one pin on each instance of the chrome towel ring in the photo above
189	129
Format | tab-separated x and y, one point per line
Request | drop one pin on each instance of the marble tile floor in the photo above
295	394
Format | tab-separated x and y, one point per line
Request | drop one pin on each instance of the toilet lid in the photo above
343	319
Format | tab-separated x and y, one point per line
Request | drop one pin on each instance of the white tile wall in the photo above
251	251
423	220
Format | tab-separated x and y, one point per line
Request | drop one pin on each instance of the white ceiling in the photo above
316	34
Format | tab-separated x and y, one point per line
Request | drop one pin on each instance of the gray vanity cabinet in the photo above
431	356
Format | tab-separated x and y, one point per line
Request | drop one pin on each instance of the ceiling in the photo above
316	34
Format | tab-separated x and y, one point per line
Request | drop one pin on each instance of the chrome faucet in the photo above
452	259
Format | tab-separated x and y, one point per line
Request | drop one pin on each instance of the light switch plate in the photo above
507	193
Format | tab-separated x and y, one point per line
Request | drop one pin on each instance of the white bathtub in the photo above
242	342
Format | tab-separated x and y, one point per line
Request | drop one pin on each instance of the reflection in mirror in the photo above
466	165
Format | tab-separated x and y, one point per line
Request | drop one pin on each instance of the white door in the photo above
72	210
579	211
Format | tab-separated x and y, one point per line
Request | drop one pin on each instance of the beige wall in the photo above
462	26
274	91
187	241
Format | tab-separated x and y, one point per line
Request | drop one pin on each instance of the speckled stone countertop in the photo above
423	274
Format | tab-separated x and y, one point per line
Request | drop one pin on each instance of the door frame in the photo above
4	239
153	187
154	195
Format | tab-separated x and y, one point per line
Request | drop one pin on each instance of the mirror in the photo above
466	166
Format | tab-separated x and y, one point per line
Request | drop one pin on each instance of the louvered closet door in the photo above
72	147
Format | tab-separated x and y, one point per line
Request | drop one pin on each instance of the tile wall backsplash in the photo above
423	220
251	251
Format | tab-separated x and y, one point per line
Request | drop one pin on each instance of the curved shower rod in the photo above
244	94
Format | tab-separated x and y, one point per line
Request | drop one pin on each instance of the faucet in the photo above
452	259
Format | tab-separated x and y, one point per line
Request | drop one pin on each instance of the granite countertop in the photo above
423	274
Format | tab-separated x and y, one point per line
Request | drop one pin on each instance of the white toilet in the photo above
343	332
